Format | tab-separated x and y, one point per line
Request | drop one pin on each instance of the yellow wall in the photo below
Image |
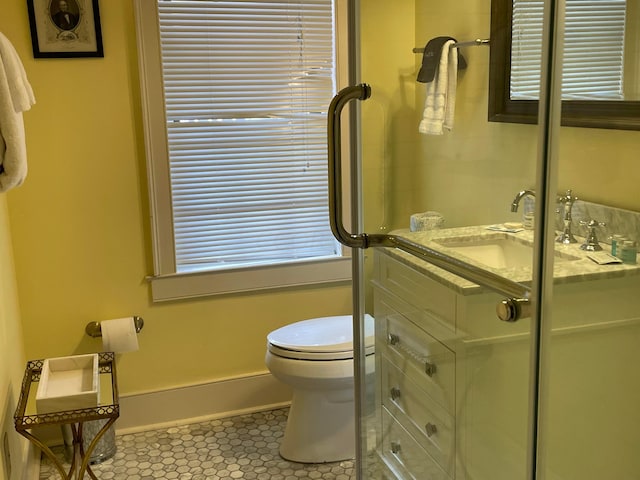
473	173
12	361
80	228
389	116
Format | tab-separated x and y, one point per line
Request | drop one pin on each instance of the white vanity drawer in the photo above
404	455
431	297
419	355
427	422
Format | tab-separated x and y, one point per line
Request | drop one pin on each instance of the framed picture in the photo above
65	28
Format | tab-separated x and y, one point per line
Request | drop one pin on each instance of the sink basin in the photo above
497	251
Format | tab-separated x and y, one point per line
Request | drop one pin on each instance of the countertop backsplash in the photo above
616	220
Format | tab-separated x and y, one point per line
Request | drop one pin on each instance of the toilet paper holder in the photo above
93	328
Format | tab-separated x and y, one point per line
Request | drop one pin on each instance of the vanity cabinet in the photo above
415	369
452	380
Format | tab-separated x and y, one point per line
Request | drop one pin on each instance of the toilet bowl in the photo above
315	358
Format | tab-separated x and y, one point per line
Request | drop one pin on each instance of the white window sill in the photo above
200	284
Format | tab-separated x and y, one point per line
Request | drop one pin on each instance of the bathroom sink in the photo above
497	251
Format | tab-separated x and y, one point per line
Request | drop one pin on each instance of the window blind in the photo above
593	49
247	85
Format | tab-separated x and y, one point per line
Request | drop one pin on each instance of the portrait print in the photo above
65	28
65	14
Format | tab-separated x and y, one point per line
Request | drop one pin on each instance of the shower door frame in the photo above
549	108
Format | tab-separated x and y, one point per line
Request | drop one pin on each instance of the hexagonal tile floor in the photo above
243	447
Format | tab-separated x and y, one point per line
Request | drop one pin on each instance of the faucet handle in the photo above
592	223
568	198
567	202
591	241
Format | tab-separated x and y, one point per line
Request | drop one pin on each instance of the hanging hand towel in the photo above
431	58
16	96
440	101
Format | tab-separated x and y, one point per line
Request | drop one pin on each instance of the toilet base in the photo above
311	437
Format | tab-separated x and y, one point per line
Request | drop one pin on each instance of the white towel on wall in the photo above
16	96
440	101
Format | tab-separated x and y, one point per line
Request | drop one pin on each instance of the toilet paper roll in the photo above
119	335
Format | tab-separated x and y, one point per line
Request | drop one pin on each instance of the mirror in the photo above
602	93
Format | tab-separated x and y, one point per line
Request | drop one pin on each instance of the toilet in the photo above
315	358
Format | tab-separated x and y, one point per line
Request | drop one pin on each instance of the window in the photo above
598	84
593	49
235	95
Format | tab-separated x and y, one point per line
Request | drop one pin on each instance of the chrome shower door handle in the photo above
513	290
334	131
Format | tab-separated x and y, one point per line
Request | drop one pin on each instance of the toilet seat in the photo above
326	338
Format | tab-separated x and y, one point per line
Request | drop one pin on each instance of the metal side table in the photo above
26	418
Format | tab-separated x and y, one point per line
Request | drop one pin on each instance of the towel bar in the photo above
473	43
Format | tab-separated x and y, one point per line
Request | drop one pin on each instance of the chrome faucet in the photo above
567	200
520	196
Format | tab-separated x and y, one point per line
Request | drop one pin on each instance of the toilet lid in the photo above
323	338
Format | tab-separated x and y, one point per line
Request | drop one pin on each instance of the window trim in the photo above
623	115
166	284
179	286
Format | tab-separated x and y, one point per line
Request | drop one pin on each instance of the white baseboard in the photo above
195	403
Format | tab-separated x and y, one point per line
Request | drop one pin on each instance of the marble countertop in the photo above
578	268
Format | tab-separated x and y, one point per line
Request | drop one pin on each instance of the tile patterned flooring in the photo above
243	447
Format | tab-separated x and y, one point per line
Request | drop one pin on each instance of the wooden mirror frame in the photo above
621	114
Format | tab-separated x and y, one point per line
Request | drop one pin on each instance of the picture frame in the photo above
65	28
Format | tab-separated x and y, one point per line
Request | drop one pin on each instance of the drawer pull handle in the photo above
430	368
395	394
431	429
395	448
393	339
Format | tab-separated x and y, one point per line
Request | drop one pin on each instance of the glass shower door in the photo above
451	390
589	415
